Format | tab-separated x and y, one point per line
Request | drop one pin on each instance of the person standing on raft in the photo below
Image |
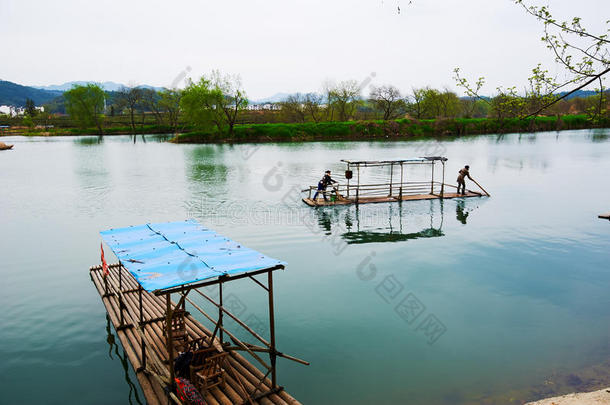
322	184
463	173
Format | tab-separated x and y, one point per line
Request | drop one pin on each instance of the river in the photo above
516	286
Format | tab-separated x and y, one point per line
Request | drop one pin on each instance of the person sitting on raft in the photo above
322	184
463	173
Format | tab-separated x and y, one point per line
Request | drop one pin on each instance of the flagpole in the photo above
104	269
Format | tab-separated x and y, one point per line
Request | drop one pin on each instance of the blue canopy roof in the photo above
171	254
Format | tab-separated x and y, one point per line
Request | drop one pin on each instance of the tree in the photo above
312	106
169	103
150	102
449	104
585	57
293	108
417	106
583	54
30	107
507	104
214	101
344	98
230	97
327	89
85	105
27	121
130	98
388	100
197	102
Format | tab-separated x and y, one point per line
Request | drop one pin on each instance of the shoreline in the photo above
393	130
601	397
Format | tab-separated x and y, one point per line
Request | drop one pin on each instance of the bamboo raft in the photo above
340	200
242	377
392	191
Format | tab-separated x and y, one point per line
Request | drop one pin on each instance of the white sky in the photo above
279	46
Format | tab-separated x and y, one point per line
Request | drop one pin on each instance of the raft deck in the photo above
384	199
241	379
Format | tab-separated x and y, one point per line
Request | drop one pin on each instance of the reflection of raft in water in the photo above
402	190
369	236
391	228
4	146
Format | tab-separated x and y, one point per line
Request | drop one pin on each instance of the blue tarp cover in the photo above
171	254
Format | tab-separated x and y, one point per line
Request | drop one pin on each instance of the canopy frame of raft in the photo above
385	192
162	370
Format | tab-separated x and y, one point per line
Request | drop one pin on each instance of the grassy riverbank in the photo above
333	131
398	129
63	131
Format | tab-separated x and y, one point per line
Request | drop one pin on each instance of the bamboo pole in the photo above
432	180
272	354
443	181
236	319
475	182
391	175
170	343
348	182
401	179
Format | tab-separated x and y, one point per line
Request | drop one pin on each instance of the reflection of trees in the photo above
204	166
135	137
88	140
110	338
599	135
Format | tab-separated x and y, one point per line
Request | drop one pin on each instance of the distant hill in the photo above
108	86
276	98
579	93
15	94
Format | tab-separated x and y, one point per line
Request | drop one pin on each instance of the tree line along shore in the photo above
216	109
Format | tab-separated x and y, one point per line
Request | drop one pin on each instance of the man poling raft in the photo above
402	184
462	174
461	181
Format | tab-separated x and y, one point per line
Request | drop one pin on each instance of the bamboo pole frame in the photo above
432	179
270	346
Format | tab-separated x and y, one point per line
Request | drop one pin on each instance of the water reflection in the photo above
133	397
135	137
599	135
88	140
460	213
204	165
378	223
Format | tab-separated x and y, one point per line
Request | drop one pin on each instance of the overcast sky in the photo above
279	46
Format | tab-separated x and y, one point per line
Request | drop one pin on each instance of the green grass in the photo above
394	129
339	131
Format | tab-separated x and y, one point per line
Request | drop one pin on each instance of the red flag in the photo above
104	264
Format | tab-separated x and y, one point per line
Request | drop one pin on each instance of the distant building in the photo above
15	111
264	107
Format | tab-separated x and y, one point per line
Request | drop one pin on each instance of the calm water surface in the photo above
516	286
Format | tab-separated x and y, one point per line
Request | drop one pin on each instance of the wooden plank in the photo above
242	373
